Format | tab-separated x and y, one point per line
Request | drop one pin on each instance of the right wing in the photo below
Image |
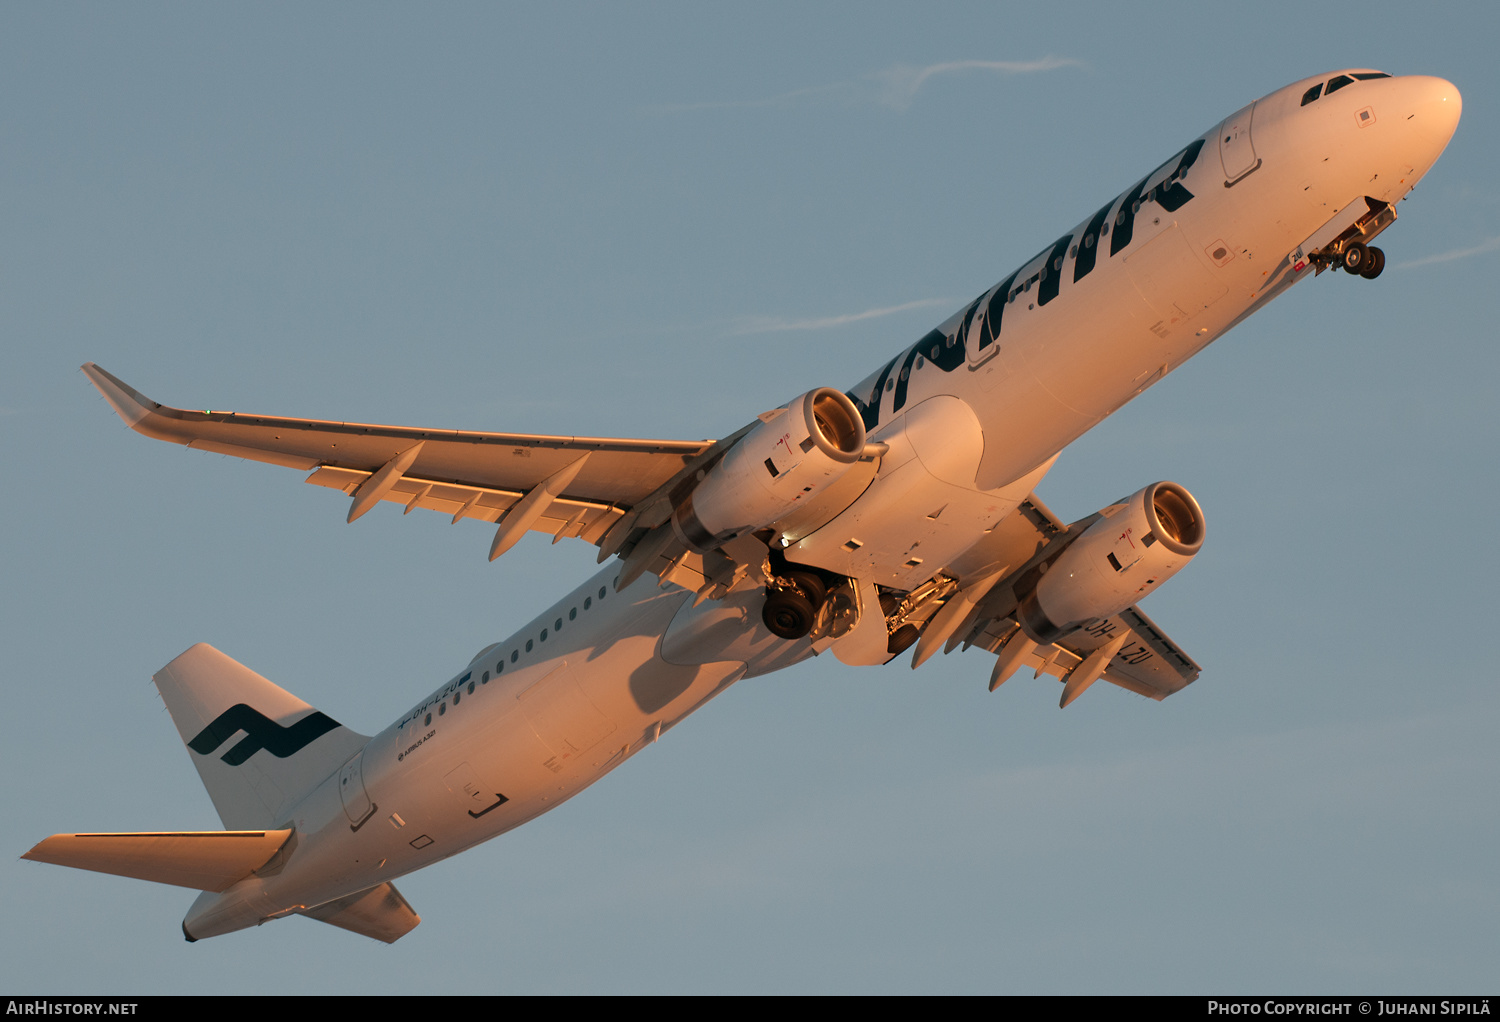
1144	660
1148	663
563	485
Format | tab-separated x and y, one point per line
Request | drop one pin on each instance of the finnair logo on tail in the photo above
261	732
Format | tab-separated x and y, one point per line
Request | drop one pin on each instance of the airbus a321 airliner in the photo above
898	513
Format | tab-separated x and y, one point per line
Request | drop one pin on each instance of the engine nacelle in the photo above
1135	546
792	455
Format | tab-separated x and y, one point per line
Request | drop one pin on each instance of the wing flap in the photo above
212	860
567	515
1148	664
1150	659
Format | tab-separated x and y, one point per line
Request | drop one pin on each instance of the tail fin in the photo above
257	747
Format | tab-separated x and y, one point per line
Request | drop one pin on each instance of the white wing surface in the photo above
567	486
1143	659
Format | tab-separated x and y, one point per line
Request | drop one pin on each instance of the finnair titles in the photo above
898	515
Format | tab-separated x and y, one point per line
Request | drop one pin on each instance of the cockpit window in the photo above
1338	82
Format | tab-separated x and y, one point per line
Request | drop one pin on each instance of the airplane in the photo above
898	514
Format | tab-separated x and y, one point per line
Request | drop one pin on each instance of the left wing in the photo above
563	485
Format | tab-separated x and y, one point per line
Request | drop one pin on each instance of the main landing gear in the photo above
792	603
1364	260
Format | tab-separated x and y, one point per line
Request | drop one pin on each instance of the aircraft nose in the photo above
1436	106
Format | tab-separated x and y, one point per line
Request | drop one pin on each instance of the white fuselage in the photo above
973	414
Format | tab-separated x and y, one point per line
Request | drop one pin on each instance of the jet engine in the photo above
1133	547
794	453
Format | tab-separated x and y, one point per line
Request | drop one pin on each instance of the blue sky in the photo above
661	220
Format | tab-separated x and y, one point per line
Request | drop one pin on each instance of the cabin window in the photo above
601	590
544	635
557	625
456	697
528	645
513	655
573	614
429	718
442	707
588	601
499	666
471	684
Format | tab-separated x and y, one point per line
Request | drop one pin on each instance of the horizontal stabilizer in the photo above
211	860
379	912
